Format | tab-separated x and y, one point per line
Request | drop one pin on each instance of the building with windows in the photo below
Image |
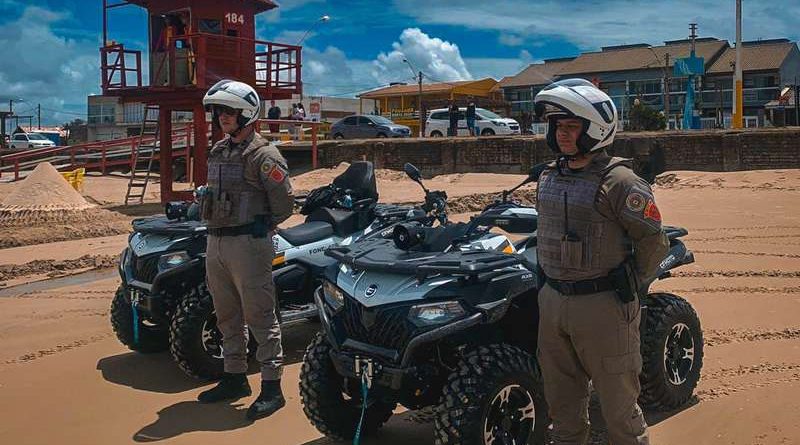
641	71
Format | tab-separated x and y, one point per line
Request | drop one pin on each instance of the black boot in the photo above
231	387
270	400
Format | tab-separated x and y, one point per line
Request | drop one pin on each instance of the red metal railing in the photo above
115	69
93	156
206	58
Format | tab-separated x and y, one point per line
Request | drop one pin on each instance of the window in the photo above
380	120
488	114
439	116
102	113
363	121
36	137
352	120
20	137
210	26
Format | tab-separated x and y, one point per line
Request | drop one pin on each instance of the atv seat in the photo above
306	233
344	222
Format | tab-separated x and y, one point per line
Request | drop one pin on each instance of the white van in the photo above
30	140
487	123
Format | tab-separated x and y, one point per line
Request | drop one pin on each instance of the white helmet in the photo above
578	98
237	95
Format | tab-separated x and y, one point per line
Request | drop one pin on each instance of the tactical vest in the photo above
231	200
574	240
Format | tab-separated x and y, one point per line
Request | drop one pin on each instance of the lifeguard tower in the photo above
191	45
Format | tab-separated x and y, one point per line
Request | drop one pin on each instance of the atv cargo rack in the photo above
381	255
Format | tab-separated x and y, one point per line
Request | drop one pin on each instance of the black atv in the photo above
164	303
457	331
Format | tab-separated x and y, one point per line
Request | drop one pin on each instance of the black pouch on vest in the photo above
626	281
571	252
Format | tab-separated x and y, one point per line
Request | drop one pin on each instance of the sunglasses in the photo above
228	111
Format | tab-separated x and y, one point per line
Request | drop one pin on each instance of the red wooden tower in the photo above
191	45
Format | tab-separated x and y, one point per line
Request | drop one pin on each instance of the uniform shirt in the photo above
265	169
628	199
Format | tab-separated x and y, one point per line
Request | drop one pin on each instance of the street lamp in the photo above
322	19
419	96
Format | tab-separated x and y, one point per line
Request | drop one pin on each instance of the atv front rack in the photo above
381	255
162	226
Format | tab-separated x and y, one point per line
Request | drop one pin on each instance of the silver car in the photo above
368	126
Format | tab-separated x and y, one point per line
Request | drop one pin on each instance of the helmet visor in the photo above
225	110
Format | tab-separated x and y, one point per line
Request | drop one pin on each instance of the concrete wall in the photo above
652	153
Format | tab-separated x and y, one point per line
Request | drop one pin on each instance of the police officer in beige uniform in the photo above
599	235
248	195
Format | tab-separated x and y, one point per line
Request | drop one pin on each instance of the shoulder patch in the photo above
651	211
635	202
275	173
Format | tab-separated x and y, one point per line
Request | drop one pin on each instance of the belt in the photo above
246	229
582	287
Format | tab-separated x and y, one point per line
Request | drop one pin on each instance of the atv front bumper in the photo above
392	367
149	297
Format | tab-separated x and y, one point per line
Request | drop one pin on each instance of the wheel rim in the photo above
212	337
679	354
510	417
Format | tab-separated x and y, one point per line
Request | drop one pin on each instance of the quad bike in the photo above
455	329
163	302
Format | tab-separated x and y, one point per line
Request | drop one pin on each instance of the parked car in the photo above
368	126
30	140
487	123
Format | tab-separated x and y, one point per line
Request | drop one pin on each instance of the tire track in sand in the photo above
724	252
773	273
716	337
57	349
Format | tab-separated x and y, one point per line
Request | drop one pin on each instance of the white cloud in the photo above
439	59
591	24
510	39
44	68
330	72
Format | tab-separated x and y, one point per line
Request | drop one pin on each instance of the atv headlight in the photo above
333	295
173	259
435	313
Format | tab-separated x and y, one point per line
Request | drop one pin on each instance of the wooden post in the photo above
314	127
165	153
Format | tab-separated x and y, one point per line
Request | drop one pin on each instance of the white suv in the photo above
30	140
486	123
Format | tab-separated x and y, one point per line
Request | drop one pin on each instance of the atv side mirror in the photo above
412	172
536	171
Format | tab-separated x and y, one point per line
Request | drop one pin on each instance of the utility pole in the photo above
419	105
737	87
796	102
666	87
39	116
688	106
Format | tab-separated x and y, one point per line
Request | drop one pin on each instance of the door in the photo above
462	123
366	128
19	141
350	127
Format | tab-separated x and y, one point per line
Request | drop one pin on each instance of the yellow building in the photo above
401	102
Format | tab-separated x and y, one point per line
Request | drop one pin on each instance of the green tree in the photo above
644	118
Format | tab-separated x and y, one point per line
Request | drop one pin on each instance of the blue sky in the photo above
54	43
